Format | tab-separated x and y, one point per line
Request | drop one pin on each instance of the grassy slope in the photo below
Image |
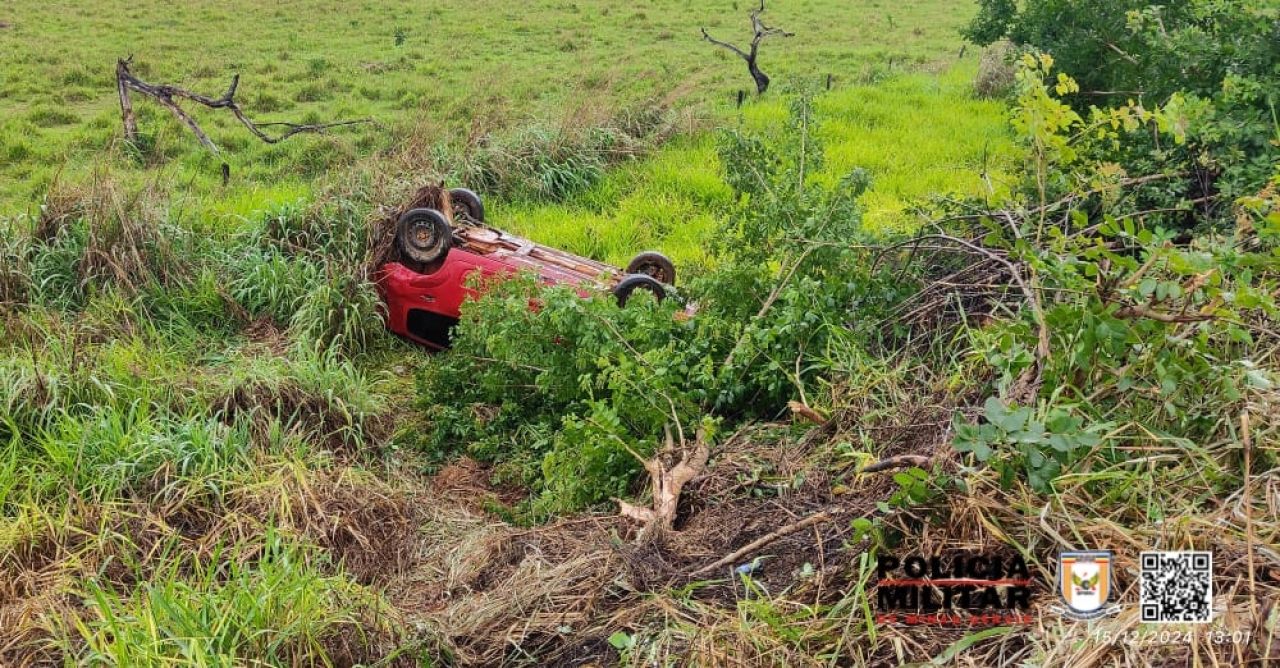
140	410
457	61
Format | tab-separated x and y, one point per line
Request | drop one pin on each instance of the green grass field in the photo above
918	135
427	71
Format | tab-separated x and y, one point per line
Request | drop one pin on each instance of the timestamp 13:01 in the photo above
1169	637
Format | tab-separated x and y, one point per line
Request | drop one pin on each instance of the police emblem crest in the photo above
1084	583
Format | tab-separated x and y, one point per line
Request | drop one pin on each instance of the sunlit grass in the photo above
919	135
434	66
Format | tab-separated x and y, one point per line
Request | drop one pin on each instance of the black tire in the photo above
654	265
629	284
467	203
424	235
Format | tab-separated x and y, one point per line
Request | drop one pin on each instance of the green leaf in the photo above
1147	286
1079	218
1061	443
621	641
1009	420
994	409
1033	433
1258	379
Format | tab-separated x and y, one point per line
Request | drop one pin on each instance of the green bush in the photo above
1218	57
1146	337
571	393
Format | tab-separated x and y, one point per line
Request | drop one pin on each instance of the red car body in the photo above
423	306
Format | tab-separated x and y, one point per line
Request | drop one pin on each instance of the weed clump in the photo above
996	70
552	162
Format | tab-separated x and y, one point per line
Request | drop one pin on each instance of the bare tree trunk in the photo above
126	105
761	32
762	79
667	482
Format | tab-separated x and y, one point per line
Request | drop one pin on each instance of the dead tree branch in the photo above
167	97
807	412
1137	311
816	518
761	32
668	481
897	462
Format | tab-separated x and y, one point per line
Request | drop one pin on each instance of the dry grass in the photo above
364	524
499	595
129	240
995	71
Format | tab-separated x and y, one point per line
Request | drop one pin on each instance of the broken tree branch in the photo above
760	32
897	462
165	95
1138	311
805	411
667	483
816	518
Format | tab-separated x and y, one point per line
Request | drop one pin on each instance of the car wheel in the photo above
467	203
654	265
424	235
633	282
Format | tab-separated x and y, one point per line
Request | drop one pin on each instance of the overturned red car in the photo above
439	249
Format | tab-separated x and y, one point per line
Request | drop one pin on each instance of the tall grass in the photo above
276	608
919	135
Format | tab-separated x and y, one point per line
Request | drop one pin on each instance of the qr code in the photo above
1177	587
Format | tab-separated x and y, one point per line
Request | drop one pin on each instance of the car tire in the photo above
424	235
629	284
467	203
654	265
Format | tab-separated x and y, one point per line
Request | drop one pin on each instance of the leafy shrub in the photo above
576	381
1217	57
1145	337
1127	48
570	394
1041	445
